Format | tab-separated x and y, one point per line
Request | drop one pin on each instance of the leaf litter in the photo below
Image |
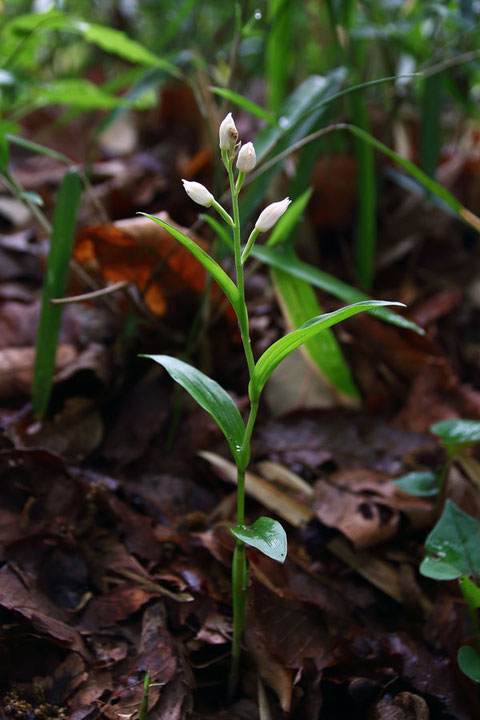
114	545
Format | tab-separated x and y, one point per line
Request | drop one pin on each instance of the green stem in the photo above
239	567
222	212
250	243
239	586
242	315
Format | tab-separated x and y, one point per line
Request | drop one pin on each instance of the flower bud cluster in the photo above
246	161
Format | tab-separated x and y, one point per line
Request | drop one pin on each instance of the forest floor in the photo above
114	545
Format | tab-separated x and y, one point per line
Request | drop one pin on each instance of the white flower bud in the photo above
198	193
246	159
271	214
228	133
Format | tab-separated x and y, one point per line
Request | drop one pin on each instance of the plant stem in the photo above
239	587
239	567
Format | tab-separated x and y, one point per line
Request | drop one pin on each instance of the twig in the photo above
91	295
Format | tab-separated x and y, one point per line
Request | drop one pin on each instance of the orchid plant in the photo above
265	534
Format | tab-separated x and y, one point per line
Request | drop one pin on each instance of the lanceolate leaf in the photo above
266	535
61	244
280	349
453	546
287	260
209	395
219	275
299	303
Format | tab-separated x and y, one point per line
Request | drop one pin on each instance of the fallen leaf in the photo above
142	252
16	368
37	610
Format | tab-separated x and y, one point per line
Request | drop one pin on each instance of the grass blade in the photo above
366	233
243	102
61	244
430	124
288	261
299	303
277	58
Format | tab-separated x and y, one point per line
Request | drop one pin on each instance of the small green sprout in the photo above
452	549
452	552
456	436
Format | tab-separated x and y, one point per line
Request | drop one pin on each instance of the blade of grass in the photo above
287	260
366	231
428	183
290	130
244	103
299	303
61	244
277	59
430	141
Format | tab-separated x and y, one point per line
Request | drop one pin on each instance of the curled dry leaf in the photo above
366	507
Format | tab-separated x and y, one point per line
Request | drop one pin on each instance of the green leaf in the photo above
296	118
4	150
78	93
266	535
116	42
453	546
209	395
419	175
423	484
286	259
244	103
218	274
430	127
366	225
31	197
469	662
470	592
283	347
278	62
457	434
299	303
61	244
37	148
108	39
219	229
